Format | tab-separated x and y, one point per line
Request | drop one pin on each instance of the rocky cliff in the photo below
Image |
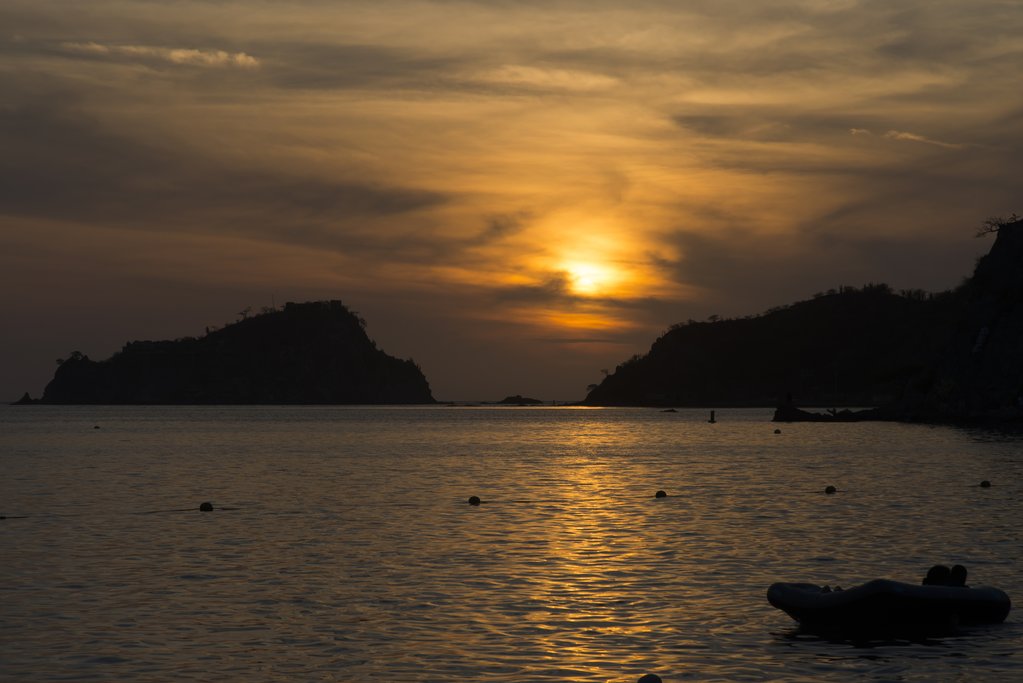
980	374
308	353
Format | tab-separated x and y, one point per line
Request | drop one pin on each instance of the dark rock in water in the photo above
309	353
830	489
474	500
518	400
206	507
787	412
985	484
777	431
25	400
649	678
660	494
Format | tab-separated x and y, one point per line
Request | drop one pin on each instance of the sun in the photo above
589	279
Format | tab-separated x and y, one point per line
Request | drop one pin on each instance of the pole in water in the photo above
712	420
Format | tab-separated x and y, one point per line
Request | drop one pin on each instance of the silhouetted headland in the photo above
852	346
952	356
306	353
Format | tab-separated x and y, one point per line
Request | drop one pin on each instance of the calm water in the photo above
348	552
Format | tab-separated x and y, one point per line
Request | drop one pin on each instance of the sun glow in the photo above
590	279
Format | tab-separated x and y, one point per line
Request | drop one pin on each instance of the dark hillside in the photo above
850	347
309	353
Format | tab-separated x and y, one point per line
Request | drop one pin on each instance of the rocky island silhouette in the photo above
305	353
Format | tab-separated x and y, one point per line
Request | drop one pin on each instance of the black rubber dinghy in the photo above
882	606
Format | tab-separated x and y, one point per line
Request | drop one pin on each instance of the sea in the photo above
342	547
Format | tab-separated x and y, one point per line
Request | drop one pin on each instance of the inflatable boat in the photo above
884	607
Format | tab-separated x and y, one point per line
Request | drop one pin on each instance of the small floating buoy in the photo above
660	494
649	678
829	490
985	484
474	500
206	507
712	420
777	431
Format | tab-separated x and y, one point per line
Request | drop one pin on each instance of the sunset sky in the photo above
515	194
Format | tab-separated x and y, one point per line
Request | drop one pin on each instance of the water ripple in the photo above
343	547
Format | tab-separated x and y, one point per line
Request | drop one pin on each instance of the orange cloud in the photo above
182	56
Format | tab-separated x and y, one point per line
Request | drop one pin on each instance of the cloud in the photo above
178	56
552	290
341	65
913	137
579	340
904	136
500	227
61	164
546	78
742	272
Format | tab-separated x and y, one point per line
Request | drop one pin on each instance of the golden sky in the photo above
516	194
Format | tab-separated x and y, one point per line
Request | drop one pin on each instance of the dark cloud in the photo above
578	340
553	290
306	65
555	294
62	164
499	227
760	126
